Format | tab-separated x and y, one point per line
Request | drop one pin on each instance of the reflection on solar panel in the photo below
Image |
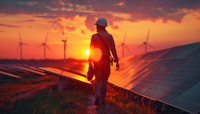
65	74
171	76
8	74
75	67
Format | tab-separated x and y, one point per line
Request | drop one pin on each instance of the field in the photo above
73	100
48	100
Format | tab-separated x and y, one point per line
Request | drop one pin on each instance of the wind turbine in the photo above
123	45
65	48
20	45
45	45
146	43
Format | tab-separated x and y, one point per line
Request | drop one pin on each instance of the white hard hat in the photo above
101	22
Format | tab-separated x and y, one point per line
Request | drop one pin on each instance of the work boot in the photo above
97	101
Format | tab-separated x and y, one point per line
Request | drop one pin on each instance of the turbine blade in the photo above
39	45
18	47
119	46
125	37
20	37
148	35
151	46
46	37
140	46
127	48
49	48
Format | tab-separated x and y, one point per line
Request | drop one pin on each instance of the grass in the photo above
51	101
123	103
12	87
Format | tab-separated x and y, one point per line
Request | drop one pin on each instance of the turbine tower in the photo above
20	46
65	48
45	45
123	45
146	43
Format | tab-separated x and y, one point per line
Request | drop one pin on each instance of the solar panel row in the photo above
65	74
9	74
171	76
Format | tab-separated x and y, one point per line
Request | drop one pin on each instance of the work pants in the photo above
102	72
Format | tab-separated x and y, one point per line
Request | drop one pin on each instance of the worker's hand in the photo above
117	66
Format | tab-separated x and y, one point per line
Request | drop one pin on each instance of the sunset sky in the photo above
171	23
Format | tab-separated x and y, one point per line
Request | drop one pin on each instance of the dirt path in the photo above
103	109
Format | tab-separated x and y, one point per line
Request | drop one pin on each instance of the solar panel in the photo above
185	49
171	76
76	67
11	67
117	77
5	69
9	74
173	79
81	68
193	52
124	73
30	70
171	52
135	58
157	54
185	96
33	68
141	59
65	74
162	71
129	76
183	88
137	78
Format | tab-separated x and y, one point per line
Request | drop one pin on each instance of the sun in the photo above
87	52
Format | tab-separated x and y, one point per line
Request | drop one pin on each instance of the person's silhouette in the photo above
105	43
